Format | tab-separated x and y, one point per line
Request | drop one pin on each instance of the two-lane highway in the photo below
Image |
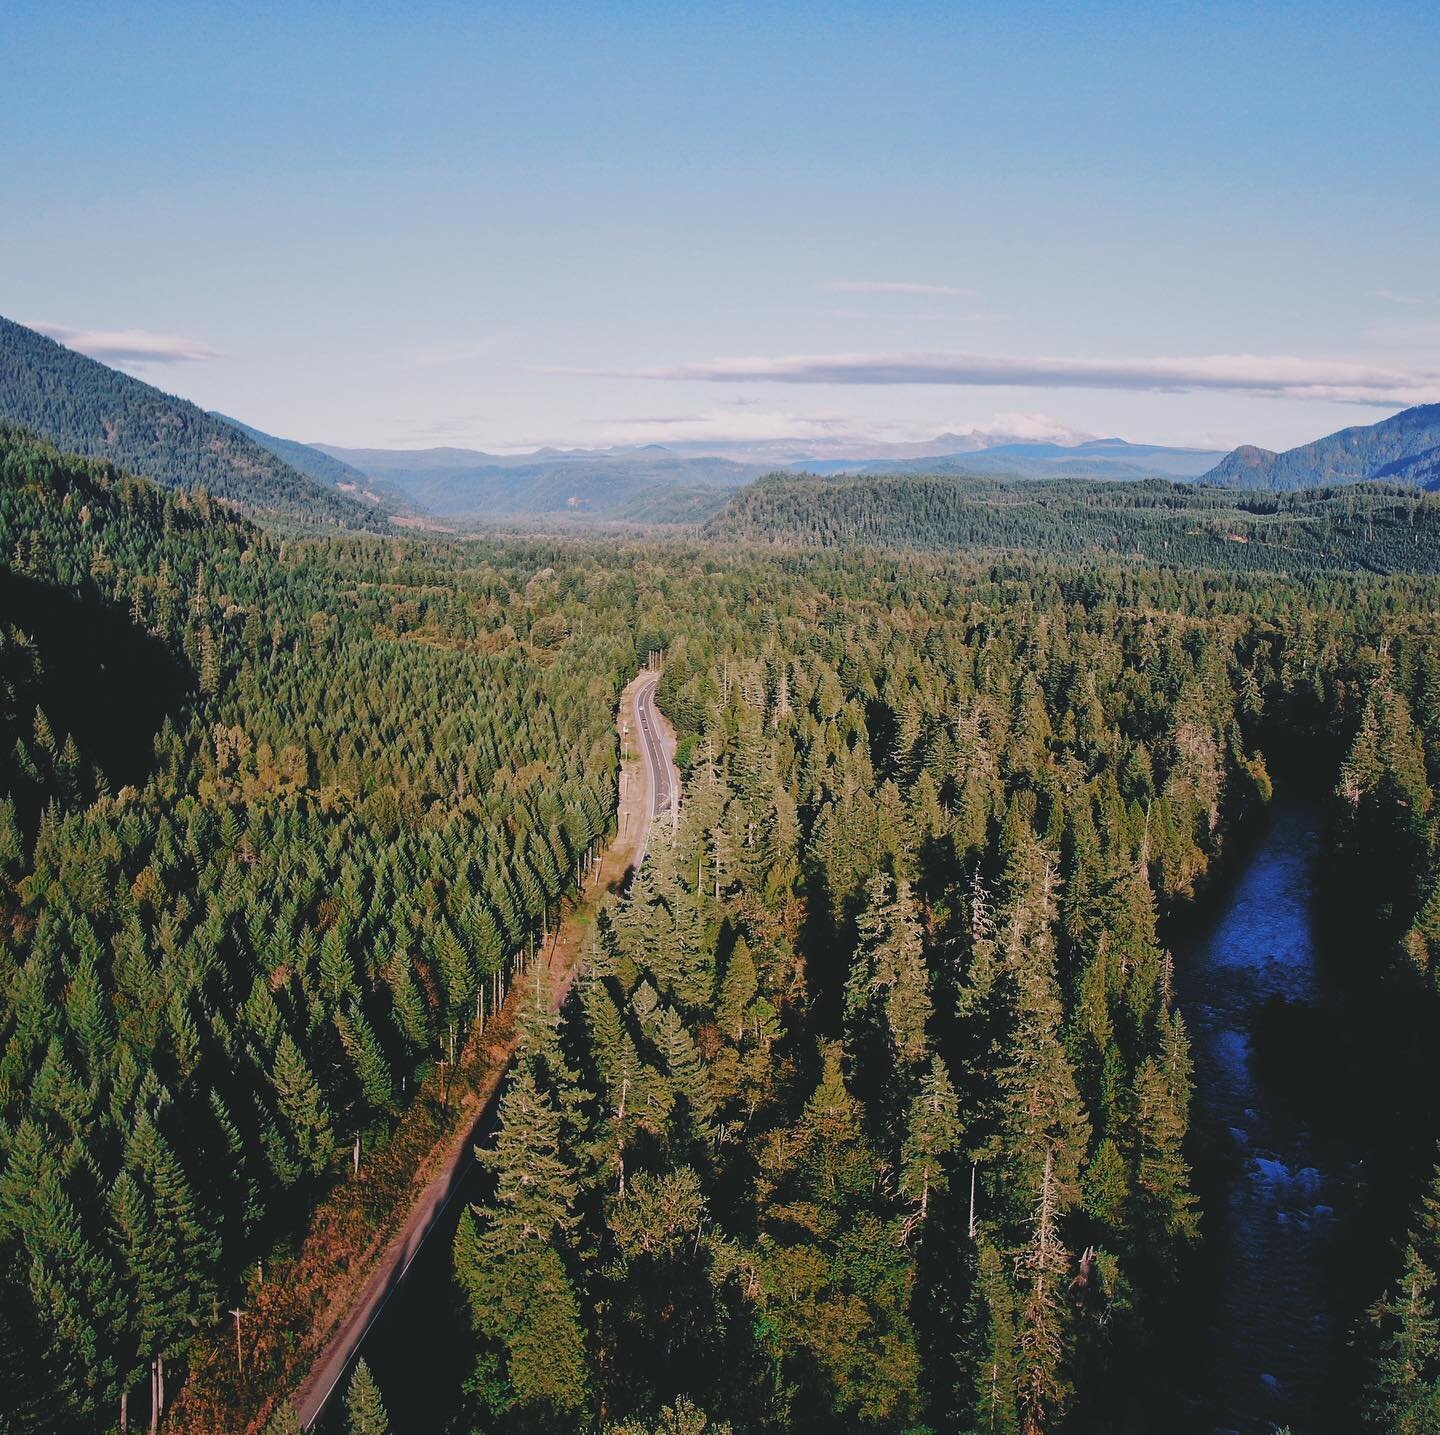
659	771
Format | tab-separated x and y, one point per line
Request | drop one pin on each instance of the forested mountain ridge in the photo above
1375	528
686	483
1404	448
316	464
1095	458
86	408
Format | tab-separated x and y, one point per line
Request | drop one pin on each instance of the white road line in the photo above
657	766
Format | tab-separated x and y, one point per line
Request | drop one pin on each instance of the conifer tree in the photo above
737	991
932	1135
364	1409
510	1264
995	1372
302	1108
283	1419
888	985
1162	1178
1405	1389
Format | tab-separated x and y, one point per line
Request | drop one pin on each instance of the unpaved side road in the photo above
649	782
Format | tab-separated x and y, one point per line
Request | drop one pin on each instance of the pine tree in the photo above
372	1071
932	1135
888	984
364	1409
684	1067
306	1121
283	1419
737	991
1043	1123
511	1268
995	1371
1162	1178
1041	1316
1405	1390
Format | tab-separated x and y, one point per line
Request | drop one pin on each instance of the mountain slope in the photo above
1400	449
317	464
86	408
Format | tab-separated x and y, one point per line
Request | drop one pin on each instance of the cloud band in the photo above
1276	377
130	346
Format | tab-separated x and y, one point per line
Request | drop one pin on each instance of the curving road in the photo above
663	783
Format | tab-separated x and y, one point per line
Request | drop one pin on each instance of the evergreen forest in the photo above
872	1108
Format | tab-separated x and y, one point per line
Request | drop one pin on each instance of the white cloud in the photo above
1259	375
888	286
1039	428
130	346
1391	297
725	425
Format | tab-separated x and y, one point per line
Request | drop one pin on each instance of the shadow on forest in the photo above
106	682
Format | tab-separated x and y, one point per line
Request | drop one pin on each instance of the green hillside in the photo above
1375	528
255	867
319	465
86	408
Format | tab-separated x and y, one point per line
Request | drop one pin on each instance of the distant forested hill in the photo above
1374	528
1401	449
1096	458
86	408
636	486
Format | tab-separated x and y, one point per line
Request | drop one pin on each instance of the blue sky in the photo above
505	225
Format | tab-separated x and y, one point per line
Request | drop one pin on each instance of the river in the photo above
1271	1299
1273	1296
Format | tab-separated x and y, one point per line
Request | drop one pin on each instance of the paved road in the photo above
659	771
333	1365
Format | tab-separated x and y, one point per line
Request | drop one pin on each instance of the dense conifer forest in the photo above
1368	527
266	846
872	1109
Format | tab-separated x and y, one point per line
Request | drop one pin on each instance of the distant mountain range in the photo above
685	481
84	407
640	485
1402	449
1094	458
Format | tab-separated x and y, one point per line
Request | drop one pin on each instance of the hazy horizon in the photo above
663	224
